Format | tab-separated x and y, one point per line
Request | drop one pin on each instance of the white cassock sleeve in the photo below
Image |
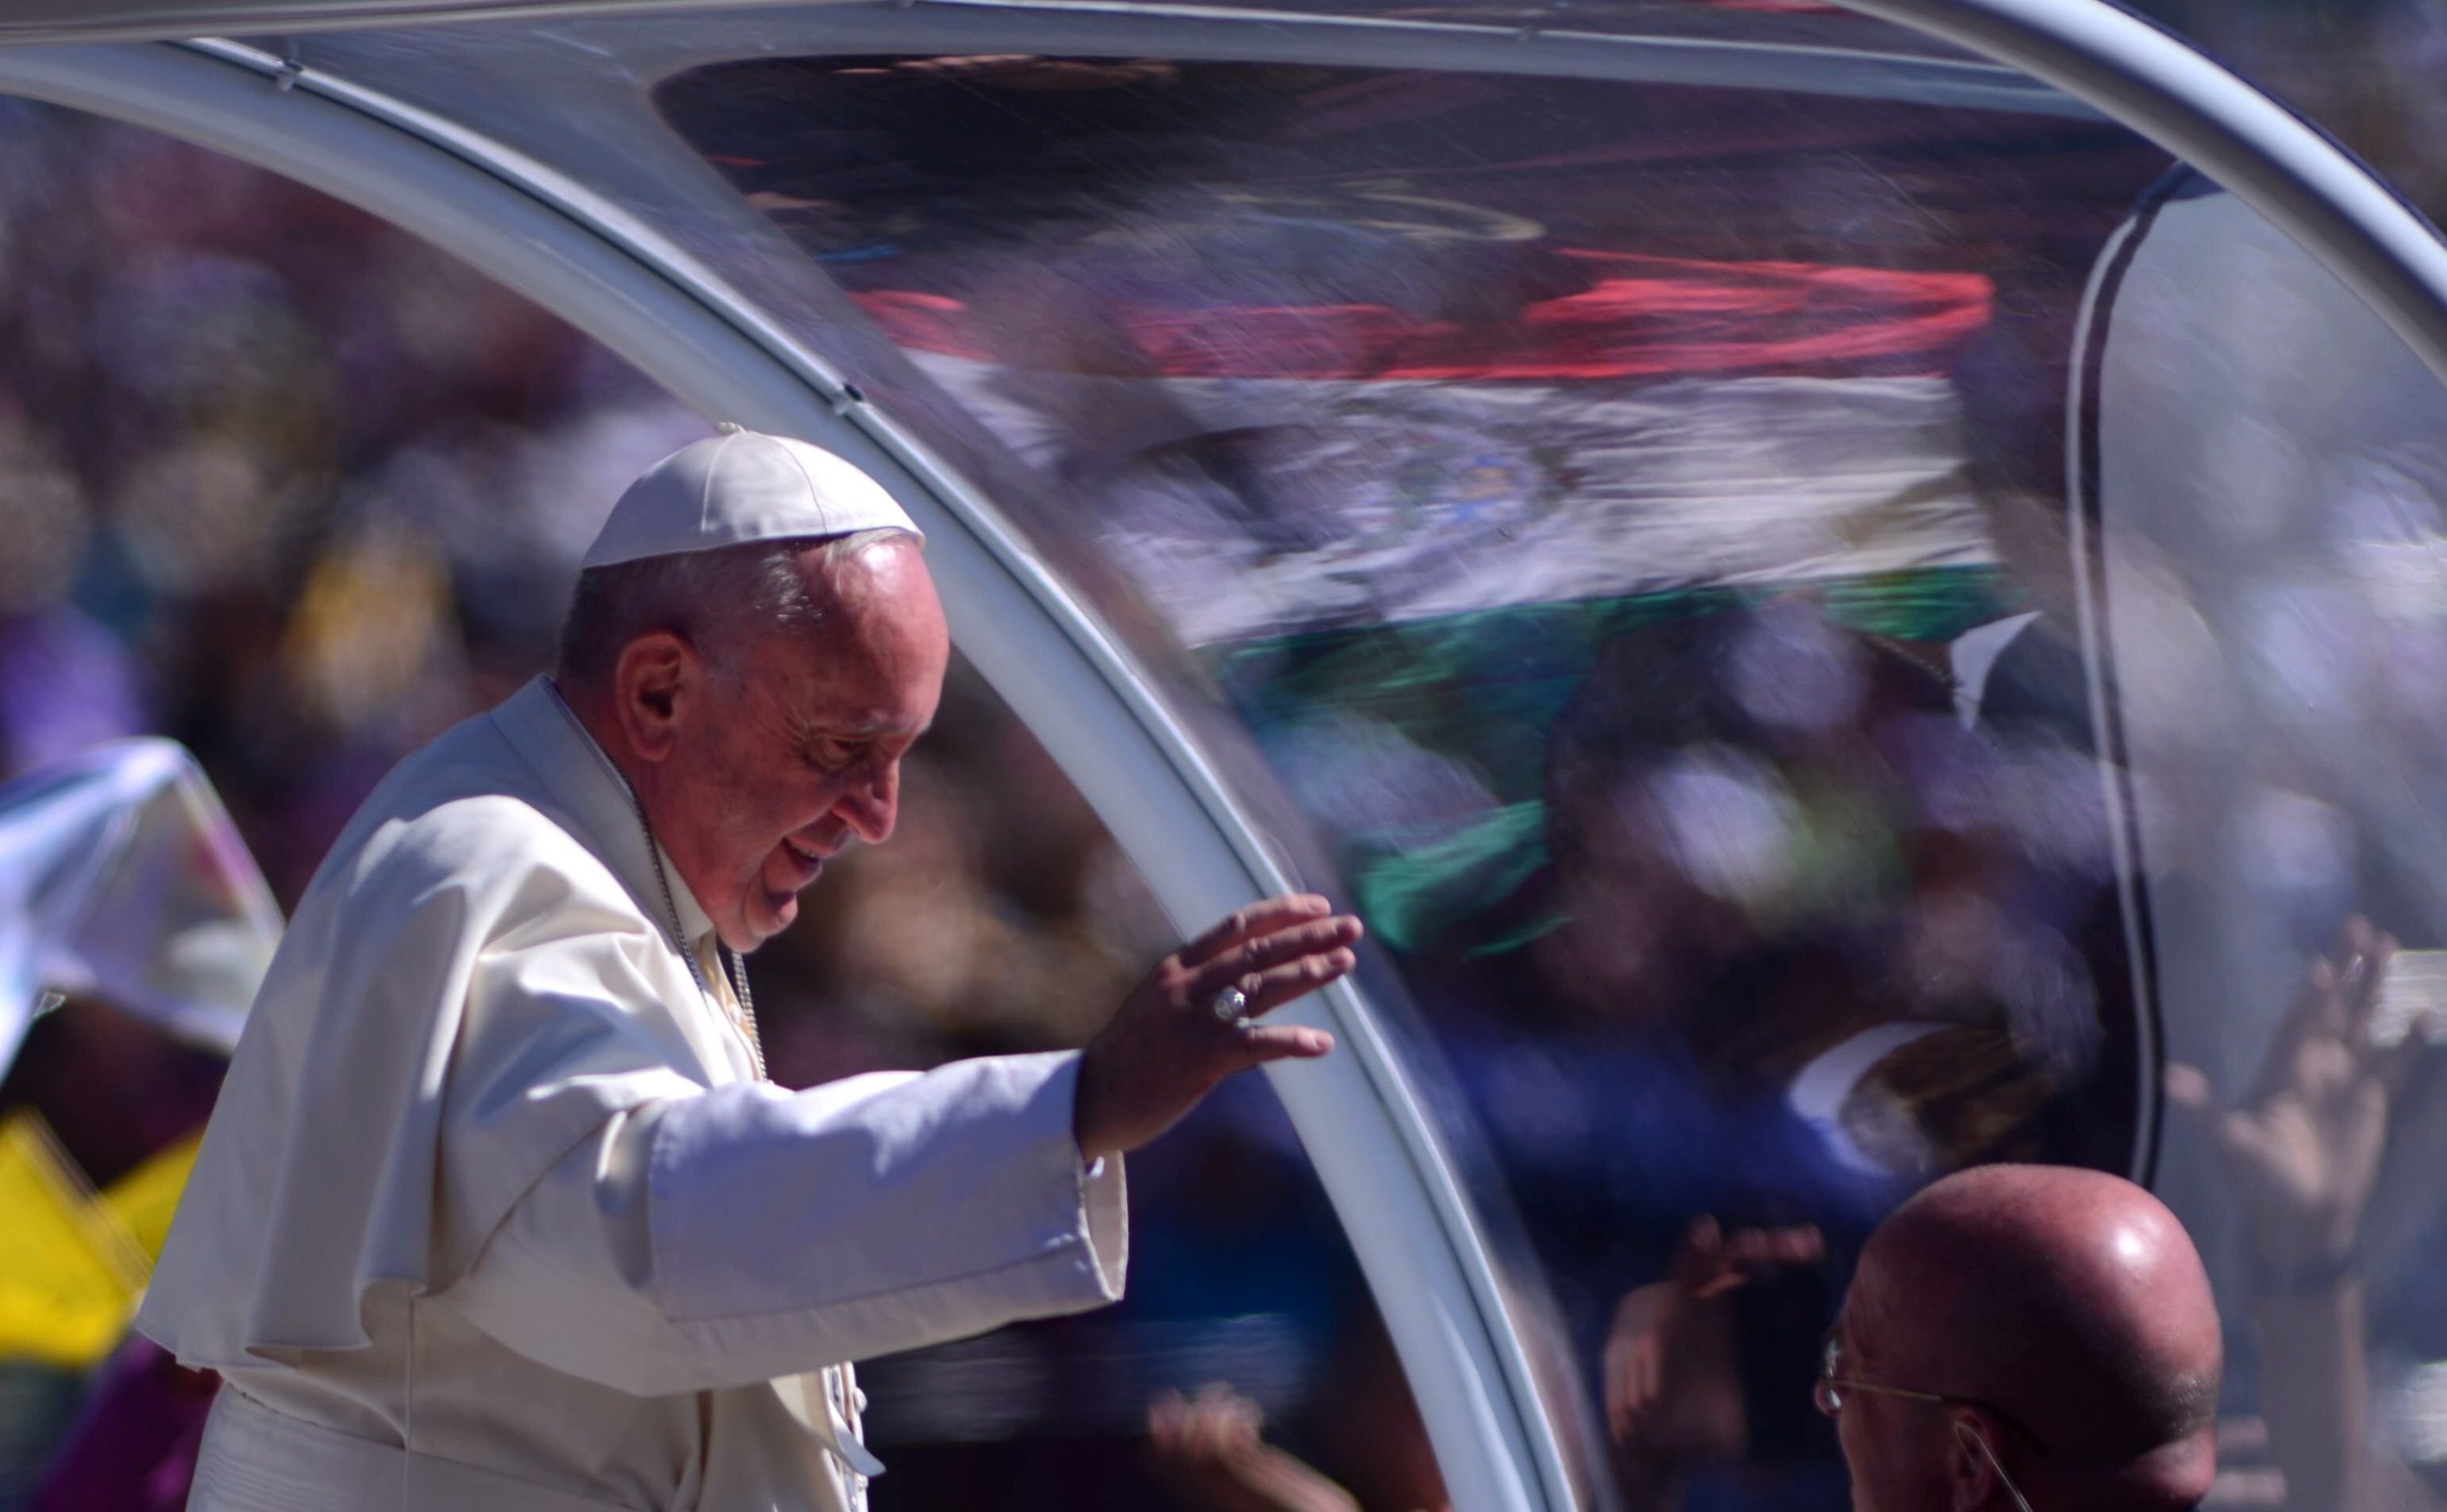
731	1236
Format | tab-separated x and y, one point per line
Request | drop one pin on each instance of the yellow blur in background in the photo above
73	1261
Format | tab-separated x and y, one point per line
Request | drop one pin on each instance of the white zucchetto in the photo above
738	486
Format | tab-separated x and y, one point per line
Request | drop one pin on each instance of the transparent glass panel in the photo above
1562	485
1606	504
1550	493
300	491
2268	520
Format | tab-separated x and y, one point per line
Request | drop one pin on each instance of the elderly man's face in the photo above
797	750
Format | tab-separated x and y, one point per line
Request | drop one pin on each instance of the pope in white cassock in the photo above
498	1213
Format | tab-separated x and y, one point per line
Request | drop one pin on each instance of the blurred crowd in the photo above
1733	902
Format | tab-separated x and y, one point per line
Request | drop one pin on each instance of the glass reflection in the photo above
2269	493
1566	487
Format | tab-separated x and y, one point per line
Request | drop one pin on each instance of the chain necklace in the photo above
734	970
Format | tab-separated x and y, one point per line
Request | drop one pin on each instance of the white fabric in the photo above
259	1458
490	1187
739	487
121	878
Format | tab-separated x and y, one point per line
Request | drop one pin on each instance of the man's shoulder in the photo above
479	831
467	809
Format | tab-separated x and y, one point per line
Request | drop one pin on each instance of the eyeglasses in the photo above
1833	1386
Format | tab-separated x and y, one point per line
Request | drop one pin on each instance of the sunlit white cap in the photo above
738	486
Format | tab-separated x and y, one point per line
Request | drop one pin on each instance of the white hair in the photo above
713	599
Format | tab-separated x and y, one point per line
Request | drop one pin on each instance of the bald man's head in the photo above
2068	1307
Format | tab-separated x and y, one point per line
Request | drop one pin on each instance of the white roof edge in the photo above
35	23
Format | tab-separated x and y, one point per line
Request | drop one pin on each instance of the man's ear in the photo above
1970	1475
652	685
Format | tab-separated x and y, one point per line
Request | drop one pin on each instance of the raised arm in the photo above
2302	1153
734	1234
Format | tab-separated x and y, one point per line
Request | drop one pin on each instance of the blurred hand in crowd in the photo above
2303	1150
1212	1447
1673	1368
2302	1153
1167	1048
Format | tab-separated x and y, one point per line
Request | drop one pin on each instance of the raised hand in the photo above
1168	1045
1672	1387
2302	1152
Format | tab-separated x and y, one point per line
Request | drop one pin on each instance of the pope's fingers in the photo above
1257	918
1315	938
1260	1043
1271	989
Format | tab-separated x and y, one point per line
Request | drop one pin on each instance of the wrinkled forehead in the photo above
871	659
